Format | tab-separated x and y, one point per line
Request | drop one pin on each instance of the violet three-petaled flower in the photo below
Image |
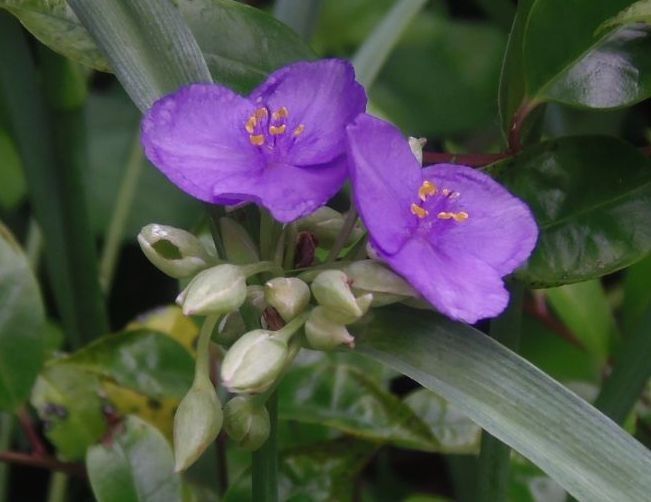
282	147
451	231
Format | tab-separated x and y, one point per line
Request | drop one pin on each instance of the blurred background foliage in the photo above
350	428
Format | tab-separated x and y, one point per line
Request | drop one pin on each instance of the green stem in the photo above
202	365
268	233
621	390
34	245
265	460
123	204
342	237
290	246
495	456
6	431
262	266
57	487
50	137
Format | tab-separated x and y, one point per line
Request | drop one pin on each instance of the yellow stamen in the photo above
261	113
299	130
280	113
250	124
276	130
458	217
256	139
419	211
426	189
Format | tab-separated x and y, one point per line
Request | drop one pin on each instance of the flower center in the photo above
264	127
430	196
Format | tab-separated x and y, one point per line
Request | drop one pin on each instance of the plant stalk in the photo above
265	460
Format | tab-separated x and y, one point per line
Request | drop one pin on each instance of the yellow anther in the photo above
257	139
419	211
261	113
281	113
250	124
426	189
276	130
458	217
299	130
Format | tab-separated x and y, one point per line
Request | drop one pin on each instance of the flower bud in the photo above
416	145
217	290
256	298
331	289
197	423
369	276
246	422
326	224
322	333
288	295
238	245
254	362
173	251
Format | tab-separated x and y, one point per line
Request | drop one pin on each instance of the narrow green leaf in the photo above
591	197
512	400
22	325
376	49
68	402
148	362
52	159
137	466
300	15
151	49
632	370
639	12
12	179
584	309
637	294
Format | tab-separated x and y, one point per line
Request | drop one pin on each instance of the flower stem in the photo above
57	487
6	431
290	246
123	203
202	365
495	456
621	390
342	237
268	233
265	460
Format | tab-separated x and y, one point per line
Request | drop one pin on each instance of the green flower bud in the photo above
288	295
173	251
218	290
416	145
238	245
246	422
326	224
255	297
332	290
197	423
254	362
323	333
369	276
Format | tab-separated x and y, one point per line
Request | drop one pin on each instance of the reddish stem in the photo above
539	311
465	159
42	462
515	139
26	423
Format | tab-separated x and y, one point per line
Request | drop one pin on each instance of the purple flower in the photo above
450	230
282	147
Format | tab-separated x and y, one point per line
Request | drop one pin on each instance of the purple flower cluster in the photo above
451	231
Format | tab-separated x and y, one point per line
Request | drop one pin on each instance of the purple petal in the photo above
288	192
196	137
386	177
500	229
321	98
458	285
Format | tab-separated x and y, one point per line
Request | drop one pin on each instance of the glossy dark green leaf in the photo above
319	472
591	197
137	465
637	294
68	402
512	400
616	72
558	33
148	362
22	324
241	44
352	399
